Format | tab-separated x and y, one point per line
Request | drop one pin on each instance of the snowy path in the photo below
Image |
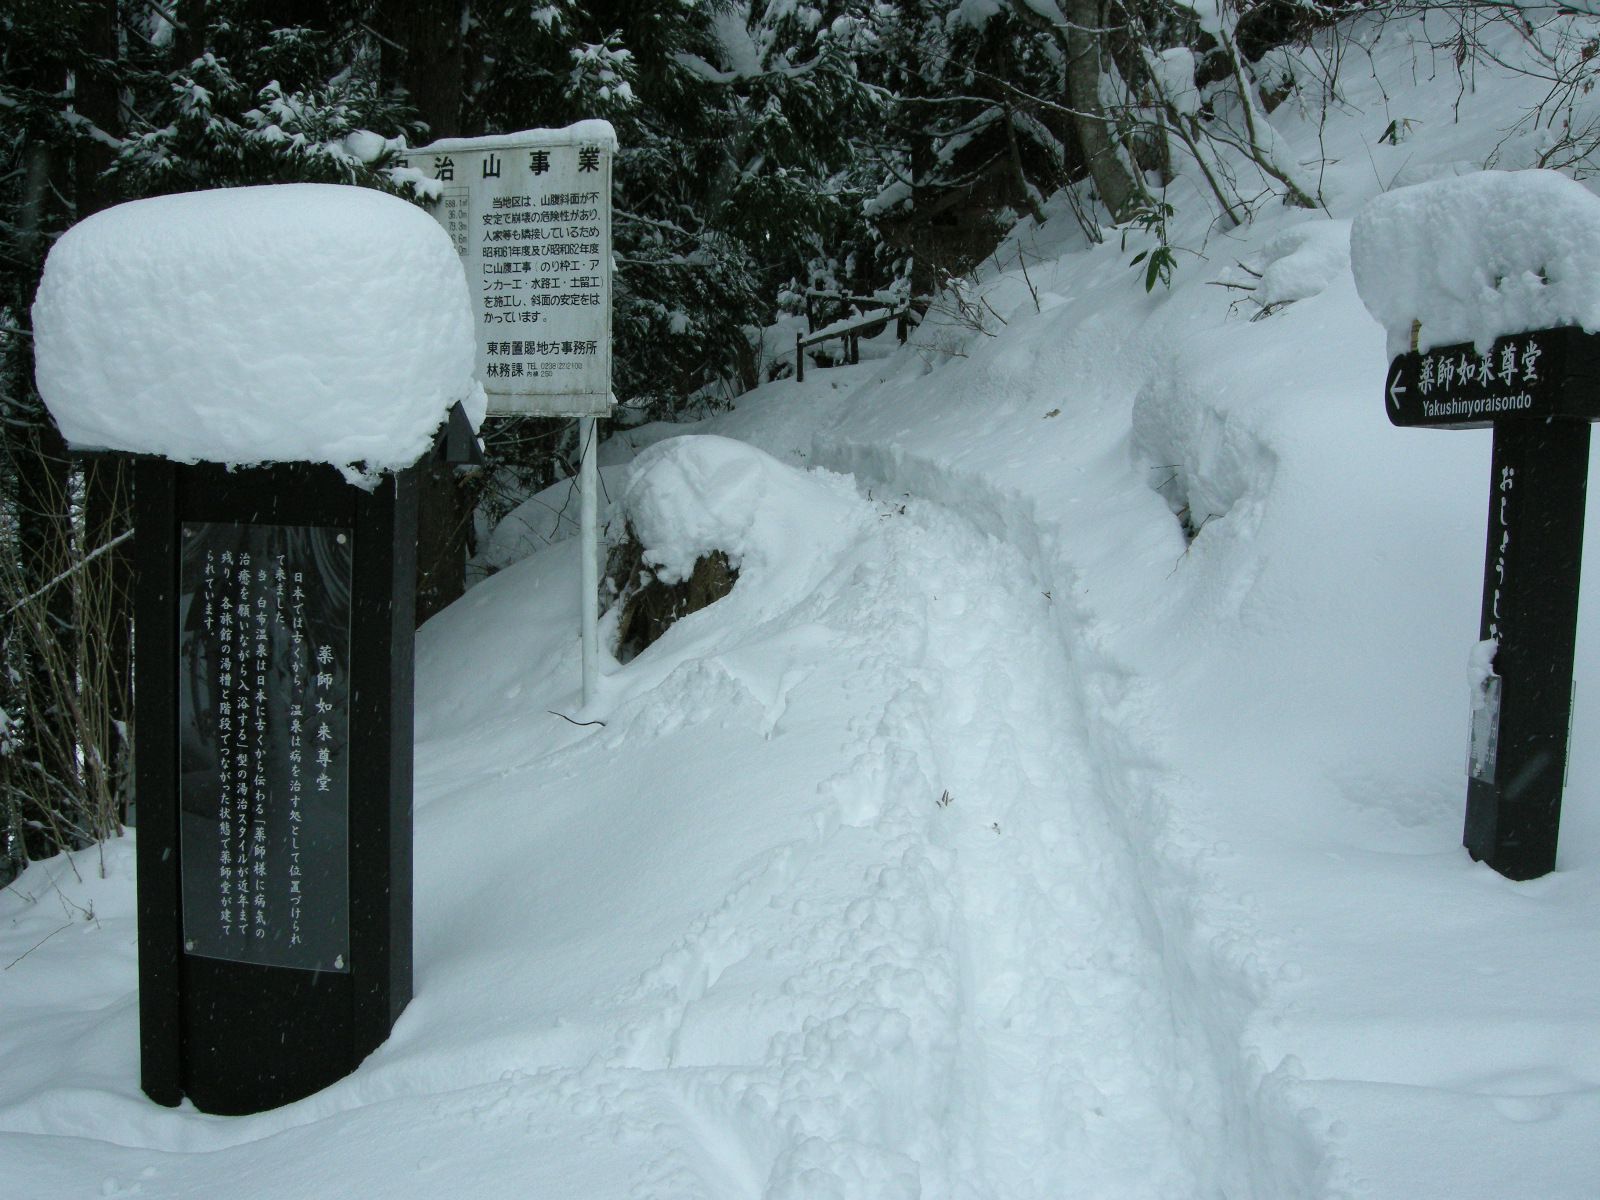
1050	1035
841	902
1174	962
996	934
1083	1076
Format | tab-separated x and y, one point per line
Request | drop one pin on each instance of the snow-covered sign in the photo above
1542	374
1488	287
530	216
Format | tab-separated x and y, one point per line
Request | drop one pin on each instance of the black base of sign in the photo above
225	1027
1530	608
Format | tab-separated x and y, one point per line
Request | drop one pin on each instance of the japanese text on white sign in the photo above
530	215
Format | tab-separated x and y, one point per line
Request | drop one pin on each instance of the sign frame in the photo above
240	1037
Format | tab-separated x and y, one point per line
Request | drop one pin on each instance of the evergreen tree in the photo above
103	101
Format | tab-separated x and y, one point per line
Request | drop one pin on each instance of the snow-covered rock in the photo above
691	495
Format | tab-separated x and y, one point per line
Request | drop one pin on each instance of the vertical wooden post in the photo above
382	684
155	705
799	359
245	1030
1530	609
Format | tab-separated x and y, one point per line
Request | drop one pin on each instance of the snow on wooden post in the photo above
529	214
1488	285
279	359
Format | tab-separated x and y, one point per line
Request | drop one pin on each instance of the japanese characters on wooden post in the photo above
1548	373
530	215
264	736
1539	391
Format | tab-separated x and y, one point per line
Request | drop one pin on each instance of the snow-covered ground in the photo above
991	839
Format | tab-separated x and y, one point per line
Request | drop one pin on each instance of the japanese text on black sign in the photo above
264	616
1509	365
1522	376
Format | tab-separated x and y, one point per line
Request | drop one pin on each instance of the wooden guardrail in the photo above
849	328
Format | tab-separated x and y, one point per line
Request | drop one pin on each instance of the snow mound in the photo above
688	496
298	322
1304	261
1480	256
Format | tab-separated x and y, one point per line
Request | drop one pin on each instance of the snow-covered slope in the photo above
991	839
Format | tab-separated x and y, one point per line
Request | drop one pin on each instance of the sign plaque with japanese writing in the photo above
530	215
1539	391
1543	374
273	714
264	743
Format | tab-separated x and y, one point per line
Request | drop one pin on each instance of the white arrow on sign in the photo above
1396	391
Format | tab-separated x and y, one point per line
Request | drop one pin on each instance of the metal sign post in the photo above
530	215
1539	391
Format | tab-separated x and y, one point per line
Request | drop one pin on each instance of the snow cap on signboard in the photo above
287	323
1477	257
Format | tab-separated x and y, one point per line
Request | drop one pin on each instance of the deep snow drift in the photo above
1474	257
297	322
1065	802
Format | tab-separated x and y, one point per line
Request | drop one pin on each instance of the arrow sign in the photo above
1539	375
1396	374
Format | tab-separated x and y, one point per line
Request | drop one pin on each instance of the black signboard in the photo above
264	743
1539	391
275	609
1548	373
1529	614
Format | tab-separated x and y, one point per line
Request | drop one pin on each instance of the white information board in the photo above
530	215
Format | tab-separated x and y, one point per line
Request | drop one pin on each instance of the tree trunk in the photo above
95	97
108	649
445	504
1115	177
189	40
42	498
44	549
109	578
1121	190
423	52
914	92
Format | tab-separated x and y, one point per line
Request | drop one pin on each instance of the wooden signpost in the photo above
274	698
1539	391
